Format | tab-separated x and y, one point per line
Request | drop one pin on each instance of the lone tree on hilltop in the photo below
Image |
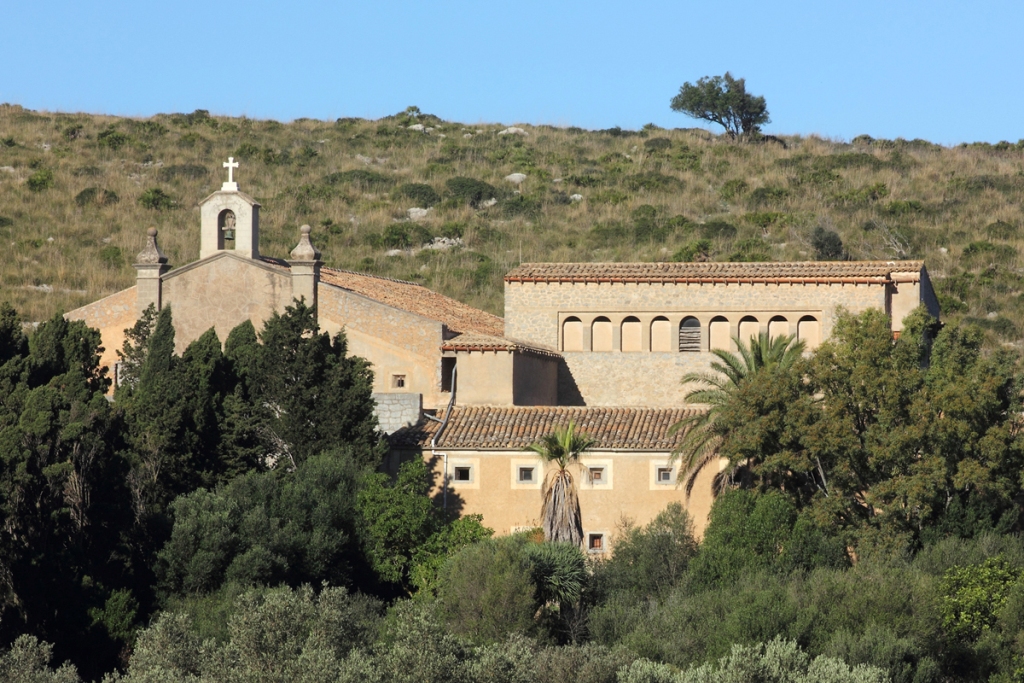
723	100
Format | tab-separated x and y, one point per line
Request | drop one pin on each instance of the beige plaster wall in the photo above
630	492
534	380
111	315
485	378
221	293
396	342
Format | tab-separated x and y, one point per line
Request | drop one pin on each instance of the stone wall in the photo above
223	292
534	312
111	315
395	411
396	342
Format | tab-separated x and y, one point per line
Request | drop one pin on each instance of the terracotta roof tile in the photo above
516	427
417	299
860	272
472	341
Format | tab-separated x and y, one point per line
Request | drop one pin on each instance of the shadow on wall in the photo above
568	392
452	503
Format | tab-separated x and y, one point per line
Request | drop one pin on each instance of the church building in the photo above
603	345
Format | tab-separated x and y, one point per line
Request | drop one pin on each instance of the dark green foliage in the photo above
486	592
421	194
657	144
95	196
826	244
984	250
156	199
41	180
1000	230
470	190
732	189
111	138
8	141
903	207
717	230
723	100
768	195
862	196
6	222
697	251
184	171
653	181
651	561
369	181
111	256
265	529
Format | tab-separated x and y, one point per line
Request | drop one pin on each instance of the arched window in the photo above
809	332
631	334
601	334
572	335
719	334
749	327
661	335
689	335
777	326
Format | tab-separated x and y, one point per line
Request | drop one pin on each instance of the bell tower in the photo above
230	220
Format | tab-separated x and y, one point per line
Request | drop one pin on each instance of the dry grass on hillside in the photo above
78	191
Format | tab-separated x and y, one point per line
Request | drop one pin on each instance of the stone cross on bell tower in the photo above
230	220
230	185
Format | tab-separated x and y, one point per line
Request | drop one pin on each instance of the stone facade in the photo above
395	411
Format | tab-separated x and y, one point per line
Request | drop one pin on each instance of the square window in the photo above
463	474
526	475
595	543
397	381
664	475
597	475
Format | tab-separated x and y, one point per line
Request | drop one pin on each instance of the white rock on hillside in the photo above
515	178
512	130
576	197
418	214
490	202
417	126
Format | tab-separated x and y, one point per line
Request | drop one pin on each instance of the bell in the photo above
229	234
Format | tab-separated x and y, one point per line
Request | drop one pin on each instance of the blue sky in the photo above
948	72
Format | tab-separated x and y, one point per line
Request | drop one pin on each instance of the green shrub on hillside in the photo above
40	180
96	196
368	181
112	138
156	199
470	190
423	195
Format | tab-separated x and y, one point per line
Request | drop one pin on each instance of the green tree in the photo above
313	395
723	100
560	513
704	432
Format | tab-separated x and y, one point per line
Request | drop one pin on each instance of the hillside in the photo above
78	191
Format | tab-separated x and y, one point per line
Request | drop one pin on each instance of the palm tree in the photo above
561	510
702	433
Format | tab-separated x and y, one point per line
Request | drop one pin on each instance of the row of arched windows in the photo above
663	336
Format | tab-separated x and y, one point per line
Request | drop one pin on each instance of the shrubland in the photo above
78	191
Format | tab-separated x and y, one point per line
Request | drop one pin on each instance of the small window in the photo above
597	476
664	475
463	474
397	381
595	543
526	475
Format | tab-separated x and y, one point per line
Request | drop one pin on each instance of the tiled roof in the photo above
417	299
483	342
798	272
516	427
